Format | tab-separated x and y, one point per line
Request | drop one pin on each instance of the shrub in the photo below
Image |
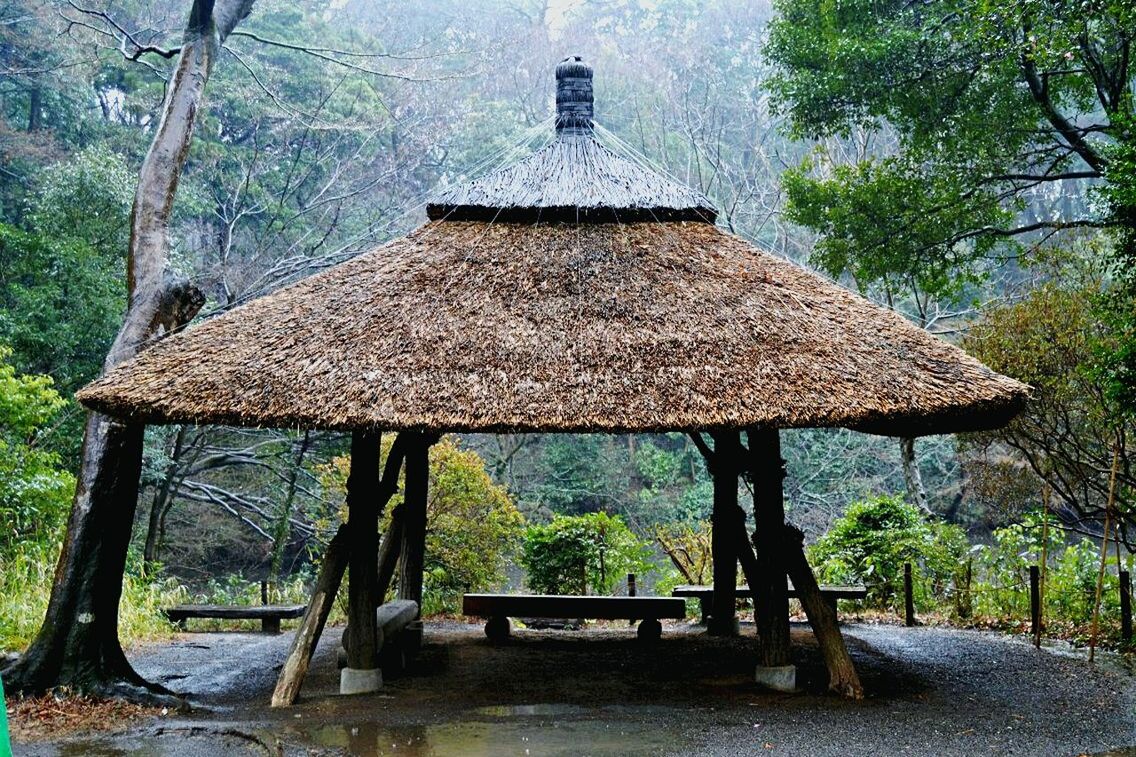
873	539
577	553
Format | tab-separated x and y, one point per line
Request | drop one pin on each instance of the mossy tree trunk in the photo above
78	645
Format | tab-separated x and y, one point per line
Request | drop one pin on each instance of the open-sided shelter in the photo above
576	290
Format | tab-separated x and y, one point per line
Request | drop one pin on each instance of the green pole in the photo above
5	744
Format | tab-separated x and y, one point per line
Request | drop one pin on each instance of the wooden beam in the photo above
363	510
842	677
311	627
770	594
724	537
389	552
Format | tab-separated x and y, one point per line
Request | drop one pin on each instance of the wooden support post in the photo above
1126	606
363	531
842	677
908	597
264	592
389	551
1035	604
723	544
327	585
770	594
414	520
311	626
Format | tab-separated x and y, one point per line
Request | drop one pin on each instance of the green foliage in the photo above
60	304
873	224
34	492
1053	338
953	114
26	575
873	539
1002	567
582	553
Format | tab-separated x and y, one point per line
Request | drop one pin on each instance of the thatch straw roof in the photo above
573	179
575	291
477	326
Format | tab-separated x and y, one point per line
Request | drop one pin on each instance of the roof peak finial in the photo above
573	97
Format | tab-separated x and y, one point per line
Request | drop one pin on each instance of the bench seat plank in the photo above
232	612
571	606
743	592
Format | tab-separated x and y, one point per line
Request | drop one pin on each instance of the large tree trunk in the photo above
78	645
916	492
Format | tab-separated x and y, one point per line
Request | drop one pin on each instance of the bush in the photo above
873	539
34	491
575	553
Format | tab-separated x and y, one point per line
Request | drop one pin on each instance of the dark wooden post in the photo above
363	507
842	677
771	595
1035	604
1125	606
723	538
413	558
908	596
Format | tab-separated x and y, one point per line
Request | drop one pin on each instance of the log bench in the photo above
498	608
268	615
705	595
391	620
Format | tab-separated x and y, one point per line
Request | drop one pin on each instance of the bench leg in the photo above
704	608
498	628
831	602
650	630
270	625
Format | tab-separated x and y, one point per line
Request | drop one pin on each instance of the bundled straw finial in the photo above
573	97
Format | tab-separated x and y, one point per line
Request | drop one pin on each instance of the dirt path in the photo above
931	691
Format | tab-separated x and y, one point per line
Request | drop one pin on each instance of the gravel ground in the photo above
931	691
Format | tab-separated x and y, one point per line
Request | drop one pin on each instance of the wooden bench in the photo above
705	594
391	619
268	615
498	608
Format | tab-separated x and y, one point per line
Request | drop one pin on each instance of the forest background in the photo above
908	156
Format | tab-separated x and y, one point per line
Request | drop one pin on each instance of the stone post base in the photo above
354	681
780	678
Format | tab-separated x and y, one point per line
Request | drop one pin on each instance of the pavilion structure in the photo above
576	290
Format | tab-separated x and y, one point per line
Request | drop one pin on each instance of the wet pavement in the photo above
931	691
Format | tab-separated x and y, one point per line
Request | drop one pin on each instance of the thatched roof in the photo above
473	326
573	179
557	296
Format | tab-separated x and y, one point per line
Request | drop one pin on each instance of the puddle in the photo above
482	739
526	710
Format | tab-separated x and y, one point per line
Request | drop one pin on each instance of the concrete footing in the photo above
354	681
780	678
